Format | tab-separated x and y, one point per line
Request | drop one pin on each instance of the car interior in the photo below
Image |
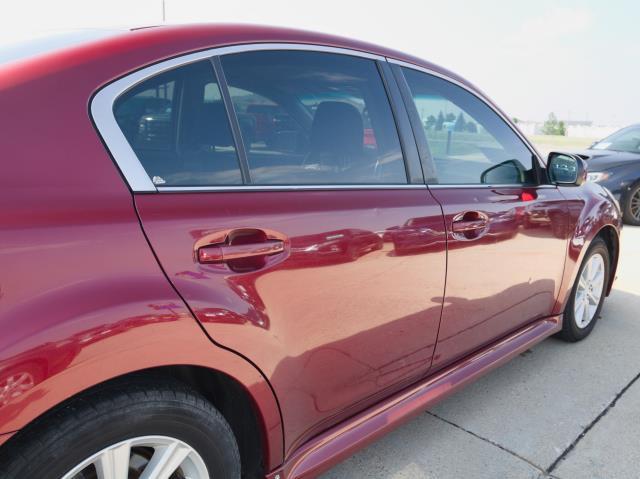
298	125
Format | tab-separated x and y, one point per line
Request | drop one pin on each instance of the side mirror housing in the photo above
566	169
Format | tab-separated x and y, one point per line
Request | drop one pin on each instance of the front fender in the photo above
590	212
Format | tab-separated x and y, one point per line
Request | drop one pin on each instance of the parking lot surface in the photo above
557	411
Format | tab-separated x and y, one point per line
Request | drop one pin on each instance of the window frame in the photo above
101	112
423	143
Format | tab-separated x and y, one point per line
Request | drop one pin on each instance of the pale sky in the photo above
579	59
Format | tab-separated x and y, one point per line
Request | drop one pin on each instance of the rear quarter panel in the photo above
82	298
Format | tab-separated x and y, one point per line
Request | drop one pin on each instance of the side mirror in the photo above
566	169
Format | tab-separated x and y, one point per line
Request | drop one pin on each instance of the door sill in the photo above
342	440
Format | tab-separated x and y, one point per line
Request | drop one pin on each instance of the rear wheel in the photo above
588	293
631	208
132	431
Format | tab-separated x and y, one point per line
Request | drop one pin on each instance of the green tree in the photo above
430	122
554	127
450	117
471	127
562	129
439	121
460	123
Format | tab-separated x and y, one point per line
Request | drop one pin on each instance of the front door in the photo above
506	229
286	221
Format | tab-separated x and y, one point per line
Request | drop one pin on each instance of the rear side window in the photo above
469	142
313	118
178	127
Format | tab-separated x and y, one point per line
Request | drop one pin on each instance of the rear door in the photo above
294	221
506	228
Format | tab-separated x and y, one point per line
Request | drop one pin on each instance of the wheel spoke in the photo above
582	283
165	461
114	463
598	284
595	266
586	313
598	278
579	311
598	270
589	291
120	460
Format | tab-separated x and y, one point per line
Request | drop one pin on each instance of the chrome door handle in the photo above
469	225
221	253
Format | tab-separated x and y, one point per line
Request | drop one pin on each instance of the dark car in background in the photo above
614	163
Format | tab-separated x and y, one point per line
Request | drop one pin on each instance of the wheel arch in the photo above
611	238
224	392
591	215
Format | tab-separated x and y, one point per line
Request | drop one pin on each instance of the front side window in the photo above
313	118
469	142
178	127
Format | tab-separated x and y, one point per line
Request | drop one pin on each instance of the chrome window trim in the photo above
478	95
471	186
414	186
102	108
291	187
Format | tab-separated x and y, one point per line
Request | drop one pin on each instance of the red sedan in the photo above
186	291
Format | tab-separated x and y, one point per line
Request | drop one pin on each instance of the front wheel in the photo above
588	293
132	431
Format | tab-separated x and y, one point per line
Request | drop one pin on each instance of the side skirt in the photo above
341	441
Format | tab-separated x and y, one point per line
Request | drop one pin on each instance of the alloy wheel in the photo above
634	205
147	457
589	291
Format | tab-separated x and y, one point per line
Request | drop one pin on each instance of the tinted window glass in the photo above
314	118
469	142
178	127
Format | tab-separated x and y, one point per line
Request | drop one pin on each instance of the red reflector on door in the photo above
526	196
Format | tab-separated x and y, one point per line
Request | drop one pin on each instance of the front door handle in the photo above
469	225
221	253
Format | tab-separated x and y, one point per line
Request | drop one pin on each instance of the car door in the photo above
288	219
506	228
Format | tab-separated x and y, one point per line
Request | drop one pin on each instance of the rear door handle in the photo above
221	253
462	226
469	225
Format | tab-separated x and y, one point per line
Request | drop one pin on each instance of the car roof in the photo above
52	42
152	44
99	57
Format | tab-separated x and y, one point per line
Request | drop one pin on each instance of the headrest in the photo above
337	129
211	125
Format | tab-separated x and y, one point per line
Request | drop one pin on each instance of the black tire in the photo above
63	439
571	332
630	205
